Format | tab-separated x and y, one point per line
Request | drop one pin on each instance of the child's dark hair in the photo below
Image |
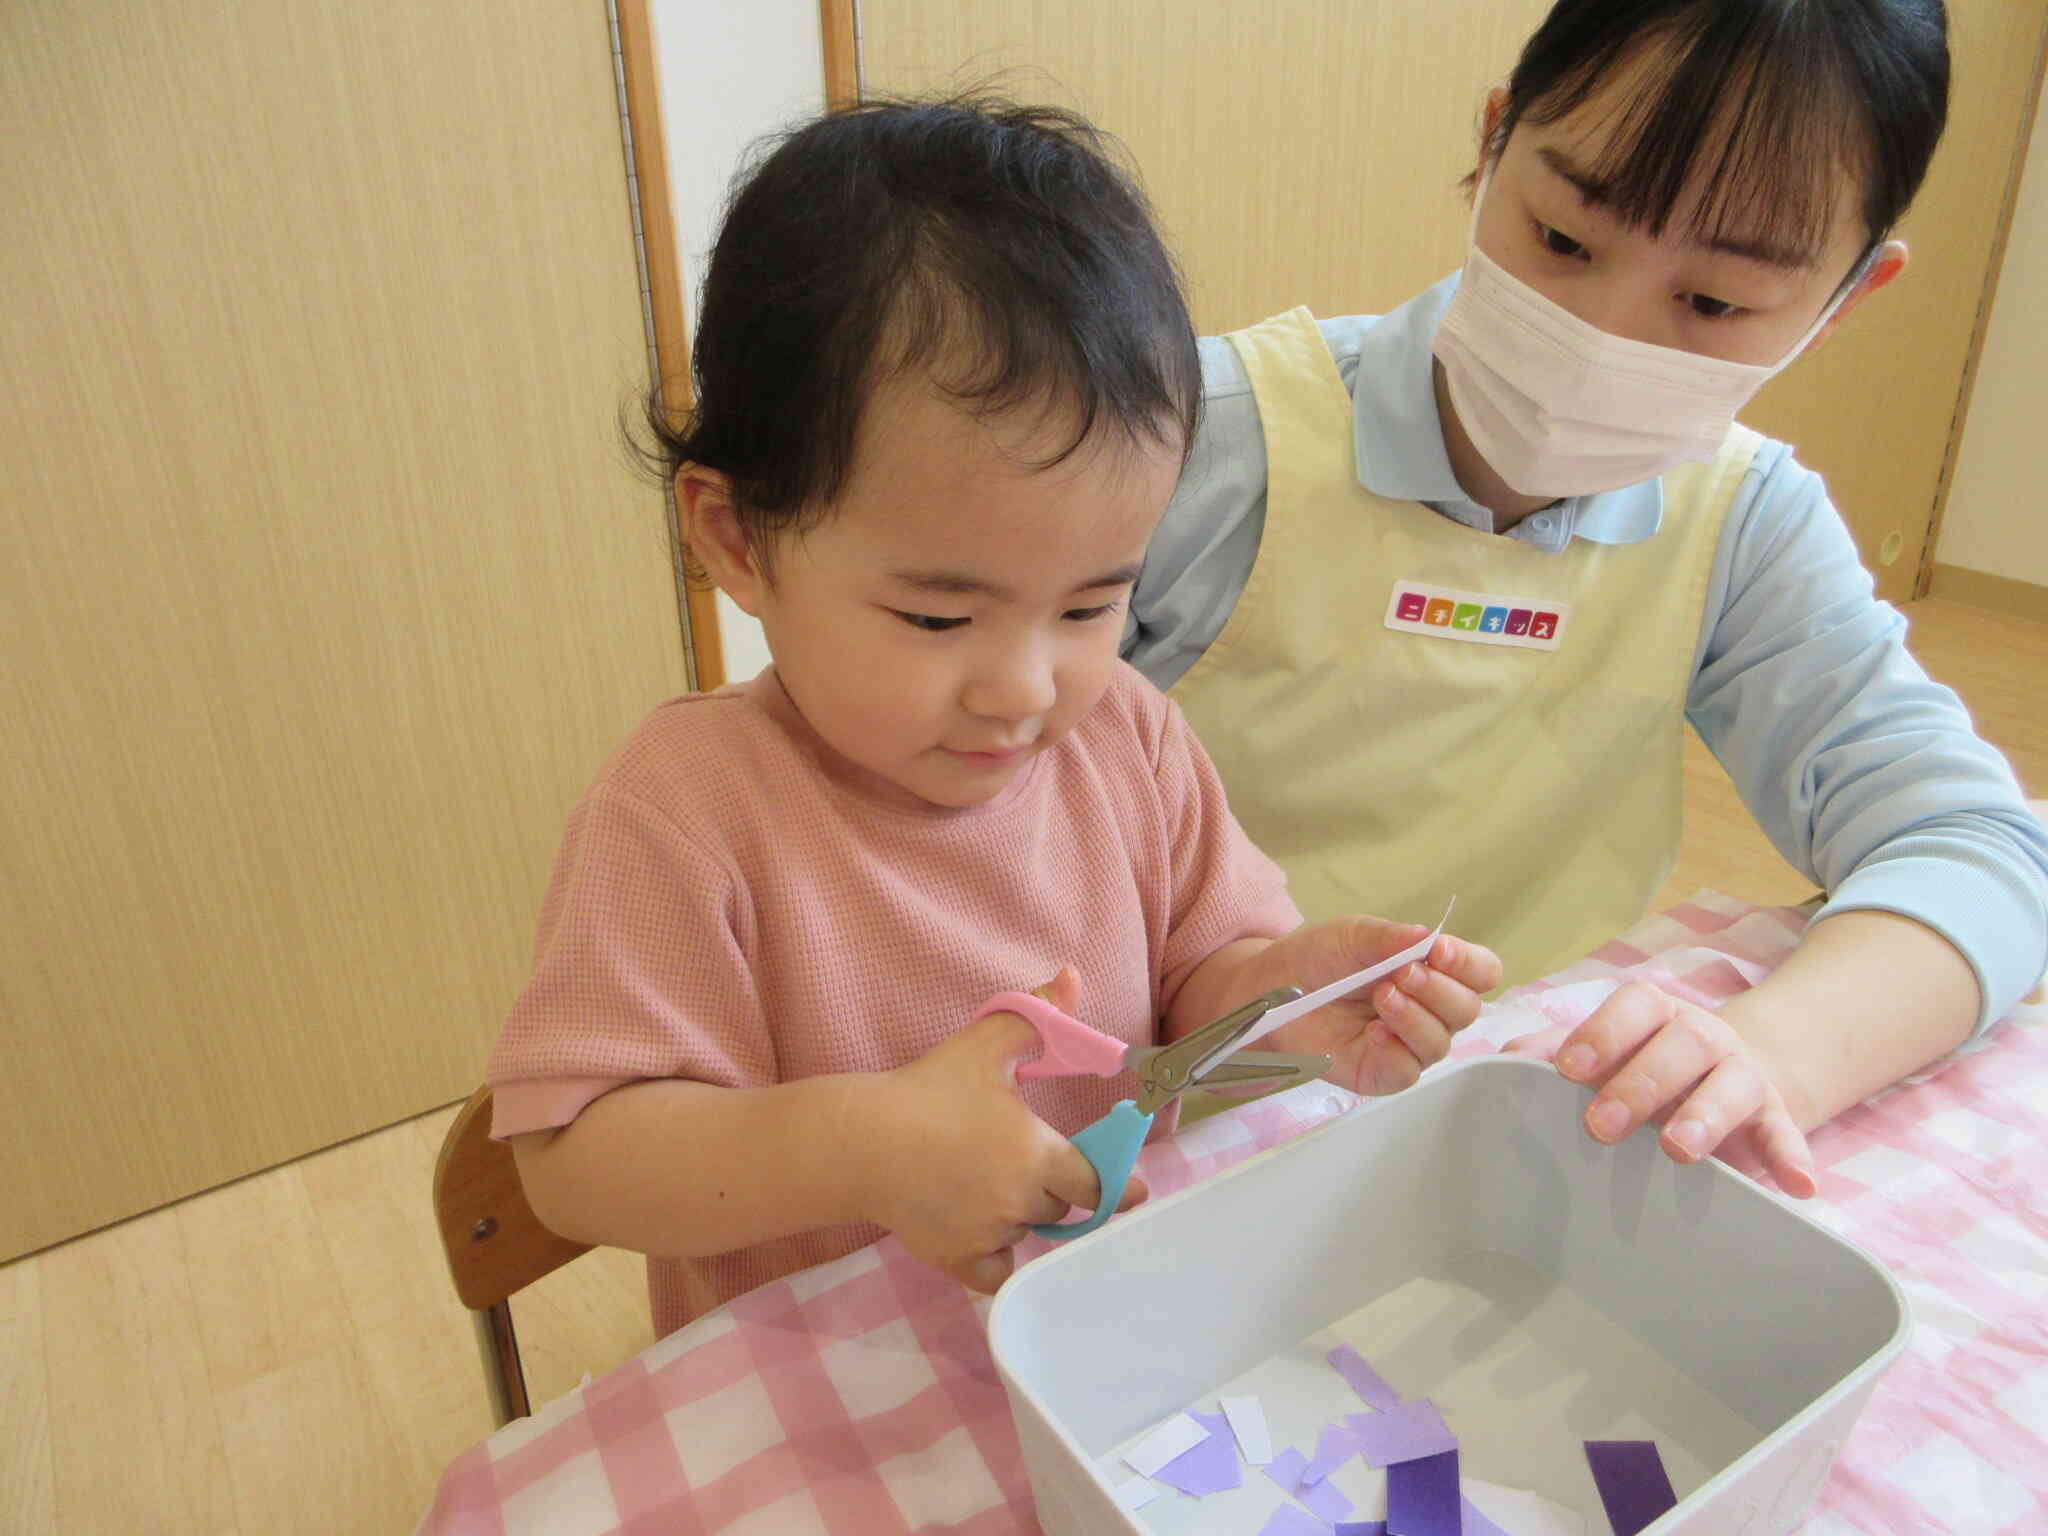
1794	91
996	246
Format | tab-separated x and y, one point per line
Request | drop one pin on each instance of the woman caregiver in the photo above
1440	587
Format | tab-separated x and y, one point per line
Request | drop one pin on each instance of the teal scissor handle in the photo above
1112	1143
1111	1146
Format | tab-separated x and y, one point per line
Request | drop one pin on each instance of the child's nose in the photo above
1016	685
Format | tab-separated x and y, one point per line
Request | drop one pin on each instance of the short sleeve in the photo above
640	971
1224	886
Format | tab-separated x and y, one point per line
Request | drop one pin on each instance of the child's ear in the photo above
712	528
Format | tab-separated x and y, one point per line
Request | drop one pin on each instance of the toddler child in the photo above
945	382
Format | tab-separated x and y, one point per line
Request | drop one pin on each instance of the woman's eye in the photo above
1557	242
930	623
1083	615
1710	308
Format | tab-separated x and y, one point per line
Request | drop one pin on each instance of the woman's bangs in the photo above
1738	124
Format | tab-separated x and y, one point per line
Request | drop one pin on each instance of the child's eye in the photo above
930	623
1083	615
1557	242
1709	308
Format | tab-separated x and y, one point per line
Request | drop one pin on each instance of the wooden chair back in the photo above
496	1246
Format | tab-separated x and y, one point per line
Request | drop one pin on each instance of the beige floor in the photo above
284	1355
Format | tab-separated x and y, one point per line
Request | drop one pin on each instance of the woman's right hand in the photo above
960	1168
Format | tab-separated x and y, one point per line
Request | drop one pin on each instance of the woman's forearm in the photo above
1865	999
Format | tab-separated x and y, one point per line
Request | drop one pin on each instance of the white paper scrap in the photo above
1136	1493
1248	1423
1517	1510
1287	1013
1177	1435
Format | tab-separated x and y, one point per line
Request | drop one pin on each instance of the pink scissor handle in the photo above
1071	1047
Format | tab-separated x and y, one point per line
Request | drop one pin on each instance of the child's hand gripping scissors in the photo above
1164	1072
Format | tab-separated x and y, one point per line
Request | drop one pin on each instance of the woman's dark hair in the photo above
1791	92
997	247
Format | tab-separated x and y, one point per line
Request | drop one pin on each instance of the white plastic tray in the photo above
1477	1248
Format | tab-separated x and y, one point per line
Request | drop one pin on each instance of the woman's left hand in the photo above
1655	1059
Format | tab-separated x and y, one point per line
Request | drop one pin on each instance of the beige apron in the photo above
1388	768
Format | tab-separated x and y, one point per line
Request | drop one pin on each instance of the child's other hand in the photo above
1379	1040
1655	1058
961	1166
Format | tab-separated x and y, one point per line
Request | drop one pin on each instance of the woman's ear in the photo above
1886	265
1495	104
712	528
1491	109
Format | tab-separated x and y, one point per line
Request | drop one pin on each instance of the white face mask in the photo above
1558	407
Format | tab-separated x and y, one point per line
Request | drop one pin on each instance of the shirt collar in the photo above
1399	441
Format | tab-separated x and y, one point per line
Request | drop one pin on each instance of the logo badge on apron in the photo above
1482	618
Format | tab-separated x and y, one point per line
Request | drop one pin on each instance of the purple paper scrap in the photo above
1293	1520
1632	1482
1286	1469
1336	1446
1422	1496
1361	1528
1325	1500
1209	1466
1403	1432
1365	1381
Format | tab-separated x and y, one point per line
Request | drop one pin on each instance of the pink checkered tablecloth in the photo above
859	1397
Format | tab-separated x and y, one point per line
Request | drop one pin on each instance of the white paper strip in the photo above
1522	1512
1248	1423
1136	1493
1179	1433
1287	1013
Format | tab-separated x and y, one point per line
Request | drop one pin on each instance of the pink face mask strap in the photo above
1840	297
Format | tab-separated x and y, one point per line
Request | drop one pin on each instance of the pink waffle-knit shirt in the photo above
733	904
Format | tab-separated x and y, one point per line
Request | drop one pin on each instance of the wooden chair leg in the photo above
503	1376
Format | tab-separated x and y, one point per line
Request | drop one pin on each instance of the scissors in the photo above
1164	1073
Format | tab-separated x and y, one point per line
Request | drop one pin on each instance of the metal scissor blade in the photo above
1272	1070
1167	1070
1246	1067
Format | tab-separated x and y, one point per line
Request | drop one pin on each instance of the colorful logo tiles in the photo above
1533	624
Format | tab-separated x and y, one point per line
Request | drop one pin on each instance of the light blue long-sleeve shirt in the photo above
1863	772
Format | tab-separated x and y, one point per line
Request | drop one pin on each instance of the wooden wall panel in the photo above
1310	153
1306	153
1878	409
328	586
